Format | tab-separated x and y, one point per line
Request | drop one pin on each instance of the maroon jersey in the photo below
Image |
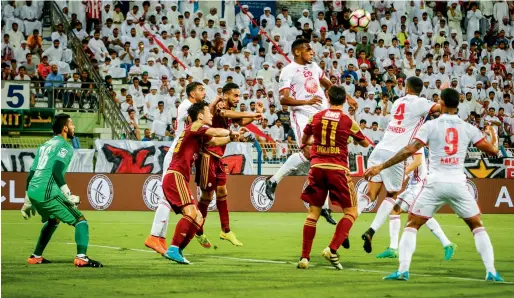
192	139
218	122
331	129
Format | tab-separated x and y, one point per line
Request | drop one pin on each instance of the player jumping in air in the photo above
176	180
157	240
448	138
300	87
329	173
210	171
416	172
409	113
49	195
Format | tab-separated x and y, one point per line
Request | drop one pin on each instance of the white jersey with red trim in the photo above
408	114
448	138
419	174
303	81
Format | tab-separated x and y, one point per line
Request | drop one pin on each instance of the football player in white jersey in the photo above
157	240
409	113
415	174
448	138
300	88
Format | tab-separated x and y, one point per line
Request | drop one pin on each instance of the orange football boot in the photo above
154	242
32	260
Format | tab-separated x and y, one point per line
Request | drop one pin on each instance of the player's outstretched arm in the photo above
489	147
287	100
325	82
217	132
414	164
435	109
402	155
218	141
240	115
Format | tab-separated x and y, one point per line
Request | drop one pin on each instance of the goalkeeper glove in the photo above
73	199
27	210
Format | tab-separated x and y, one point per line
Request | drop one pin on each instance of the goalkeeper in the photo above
48	193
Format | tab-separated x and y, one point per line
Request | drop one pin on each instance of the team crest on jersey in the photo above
258	195
361	187
472	188
152	192
100	192
311	85
62	153
212	204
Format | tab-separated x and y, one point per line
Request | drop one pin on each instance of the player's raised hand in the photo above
243	130
315	100
259	107
27	210
258	116
371	172
234	136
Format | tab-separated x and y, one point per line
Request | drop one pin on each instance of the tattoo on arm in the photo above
403	154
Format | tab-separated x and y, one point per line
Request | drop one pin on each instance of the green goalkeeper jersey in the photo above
43	182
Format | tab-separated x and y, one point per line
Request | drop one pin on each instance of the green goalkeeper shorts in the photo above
56	206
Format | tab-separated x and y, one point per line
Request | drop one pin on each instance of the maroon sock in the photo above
181	230
309	231
342	231
192	231
203	206
221	204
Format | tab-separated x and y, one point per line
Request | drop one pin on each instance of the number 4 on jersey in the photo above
399	113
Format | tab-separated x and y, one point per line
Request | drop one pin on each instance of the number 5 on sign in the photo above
15	95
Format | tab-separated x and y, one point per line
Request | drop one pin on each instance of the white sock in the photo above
395	224
160	219
326	206
362	201
407	248
485	248
81	256
383	211
434	226
292	163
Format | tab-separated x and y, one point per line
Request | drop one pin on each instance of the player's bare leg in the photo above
157	238
309	231
47	231
341	233
82	240
221	204
203	207
185	230
484	247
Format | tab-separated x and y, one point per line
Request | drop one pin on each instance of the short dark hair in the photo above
416	85
60	121
196	109
192	87
229	86
450	97
363	121
298	43
337	95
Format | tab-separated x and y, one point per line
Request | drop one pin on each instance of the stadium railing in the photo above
107	106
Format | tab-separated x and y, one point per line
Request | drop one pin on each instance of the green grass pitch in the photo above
264	267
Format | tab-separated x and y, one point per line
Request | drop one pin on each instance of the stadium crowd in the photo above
468	46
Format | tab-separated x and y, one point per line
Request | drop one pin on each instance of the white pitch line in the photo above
286	262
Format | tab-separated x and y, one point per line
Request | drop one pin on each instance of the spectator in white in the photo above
486	104
243	20
22	75
265	129
229	58
374	133
134	123
70	96
10	15
500	10
197	70
474	16
374	26
507	106
20	54
473	105
281	31
305	19
463	109
320	22
29	14
173	14
491	120
193	43
153	69
55	55
15	36
127	26
285	17
277	131
498	94
238	77
366	115
96	45
385	36
389	22
136	92
268	17
480	92
224	31
214	17
159	114
137	68
151	101
425	23
271	114
468	78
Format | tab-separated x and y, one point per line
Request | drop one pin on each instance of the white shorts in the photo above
392	177
298	123
435	194
407	197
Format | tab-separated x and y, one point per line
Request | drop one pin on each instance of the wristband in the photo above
66	191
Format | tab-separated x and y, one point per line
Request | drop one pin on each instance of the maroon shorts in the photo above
210	172
337	182
176	191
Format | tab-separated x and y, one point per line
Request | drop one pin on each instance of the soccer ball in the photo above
360	19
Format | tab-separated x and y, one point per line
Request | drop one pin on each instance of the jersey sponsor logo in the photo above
258	195
62	153
152	192
311	85
361	187
100	192
472	188
212	204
